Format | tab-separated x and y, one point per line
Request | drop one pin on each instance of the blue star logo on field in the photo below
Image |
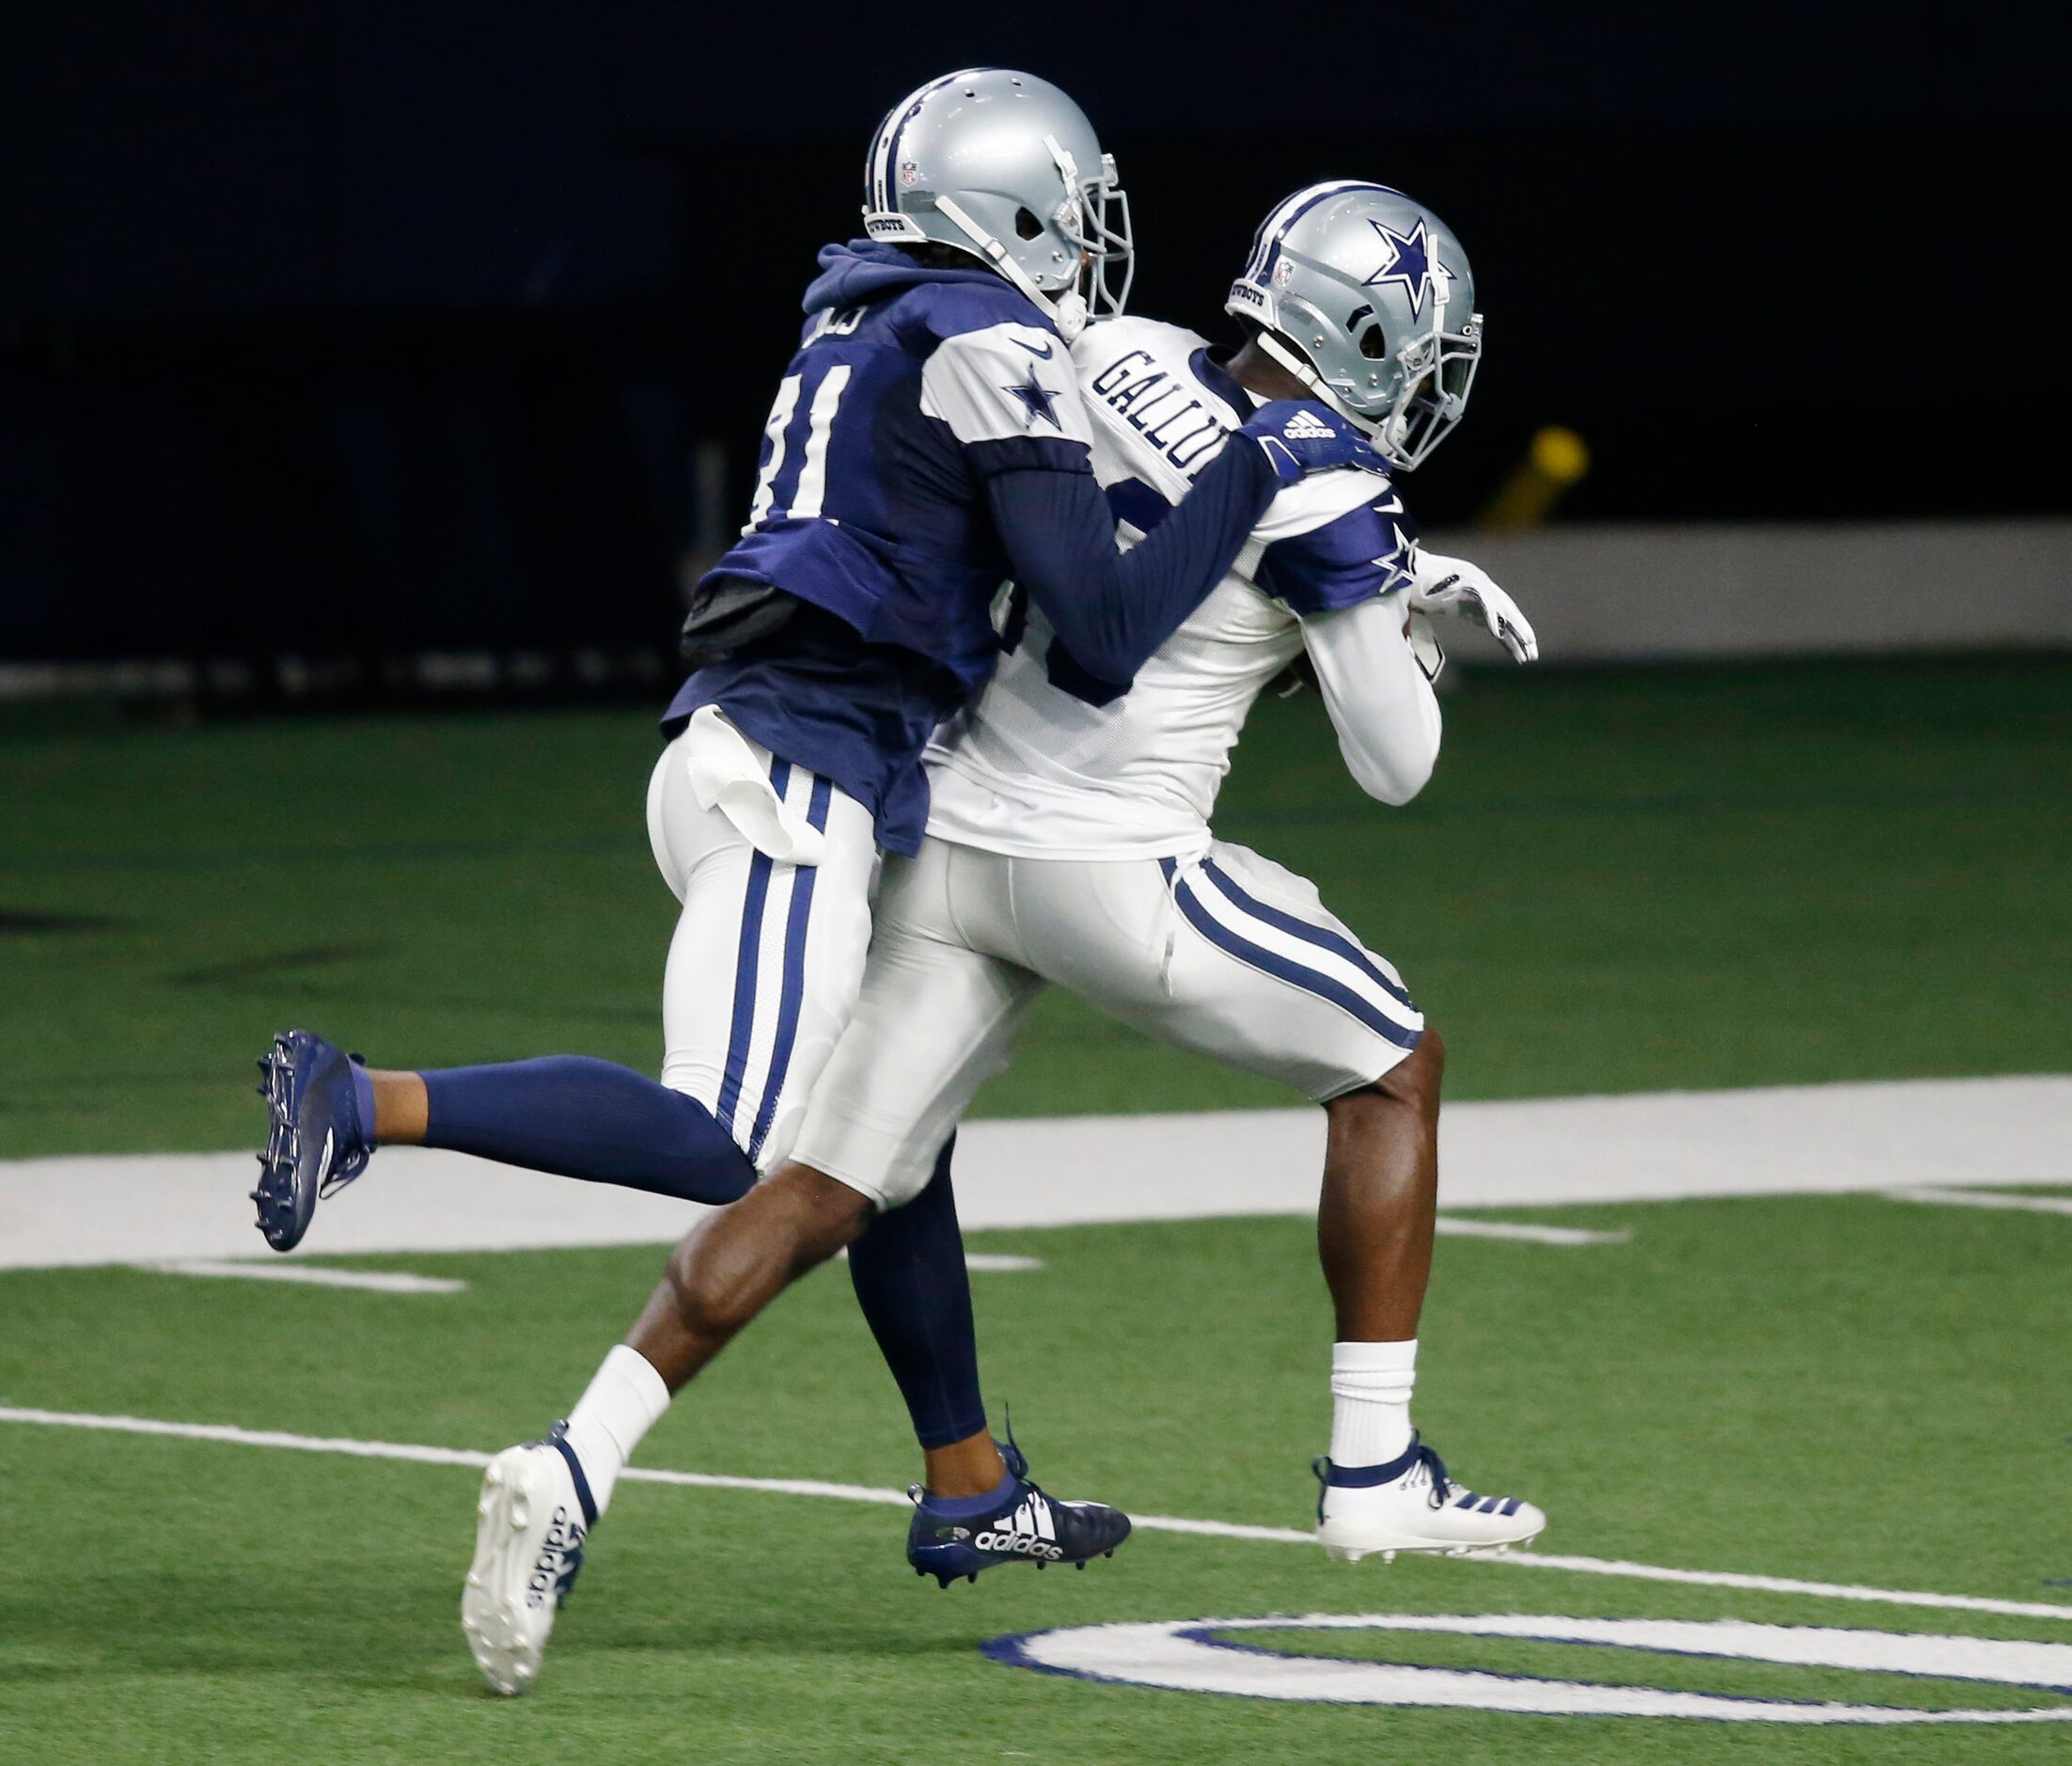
1039	399
1410	261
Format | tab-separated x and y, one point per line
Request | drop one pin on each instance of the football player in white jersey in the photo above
1069	837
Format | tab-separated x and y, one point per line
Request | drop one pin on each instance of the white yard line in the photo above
1464	1228
311	1275
1079	1170
1153	1523
1984	1199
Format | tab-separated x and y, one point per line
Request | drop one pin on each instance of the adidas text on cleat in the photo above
534	1513
315	1143
1018	1525
1410	1505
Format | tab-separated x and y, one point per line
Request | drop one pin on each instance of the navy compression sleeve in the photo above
1112	609
909	1273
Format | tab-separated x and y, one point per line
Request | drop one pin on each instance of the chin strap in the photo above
1068	310
1297	365
1386	435
1293	361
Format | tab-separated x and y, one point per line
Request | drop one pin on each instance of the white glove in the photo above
1452	585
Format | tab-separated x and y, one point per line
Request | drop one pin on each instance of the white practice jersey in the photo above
1034	769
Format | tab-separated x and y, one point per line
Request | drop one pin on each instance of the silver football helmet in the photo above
1367	299
1004	166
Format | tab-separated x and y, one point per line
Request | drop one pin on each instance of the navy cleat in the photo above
1018	1525
314	1141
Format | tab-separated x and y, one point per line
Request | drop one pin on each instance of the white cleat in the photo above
1410	1505
534	1515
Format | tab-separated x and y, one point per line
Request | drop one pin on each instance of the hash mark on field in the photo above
229	1433
311	1274
1984	1199
1529	1234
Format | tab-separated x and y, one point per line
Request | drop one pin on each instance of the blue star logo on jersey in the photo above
1409	262
1397	561
1039	399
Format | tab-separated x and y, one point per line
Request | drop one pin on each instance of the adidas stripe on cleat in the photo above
1410	1505
531	1523
1027	1525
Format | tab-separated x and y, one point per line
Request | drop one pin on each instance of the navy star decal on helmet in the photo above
1006	166
1367	298
1409	262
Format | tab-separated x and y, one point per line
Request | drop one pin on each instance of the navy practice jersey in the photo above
928	440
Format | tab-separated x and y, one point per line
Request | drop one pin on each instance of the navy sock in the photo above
971	1508
909	1275
595	1120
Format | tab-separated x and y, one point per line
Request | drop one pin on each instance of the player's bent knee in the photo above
736	1261
711	1299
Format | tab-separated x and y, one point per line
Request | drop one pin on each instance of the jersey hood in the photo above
864	270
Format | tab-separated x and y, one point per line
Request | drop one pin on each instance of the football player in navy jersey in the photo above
928	443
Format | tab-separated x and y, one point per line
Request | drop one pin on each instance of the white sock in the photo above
621	1405
1370	1400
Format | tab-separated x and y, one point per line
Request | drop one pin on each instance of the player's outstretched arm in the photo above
1008	393
1112	609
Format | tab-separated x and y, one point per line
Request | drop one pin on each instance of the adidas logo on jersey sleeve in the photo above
1307	426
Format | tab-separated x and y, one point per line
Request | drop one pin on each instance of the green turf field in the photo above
1859	1401
1616	882
1678	878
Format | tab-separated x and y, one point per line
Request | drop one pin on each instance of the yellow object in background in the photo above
1557	459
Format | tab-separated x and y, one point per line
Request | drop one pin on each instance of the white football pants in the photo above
1228	955
767	957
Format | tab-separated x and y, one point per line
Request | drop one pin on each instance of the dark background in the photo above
360	328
